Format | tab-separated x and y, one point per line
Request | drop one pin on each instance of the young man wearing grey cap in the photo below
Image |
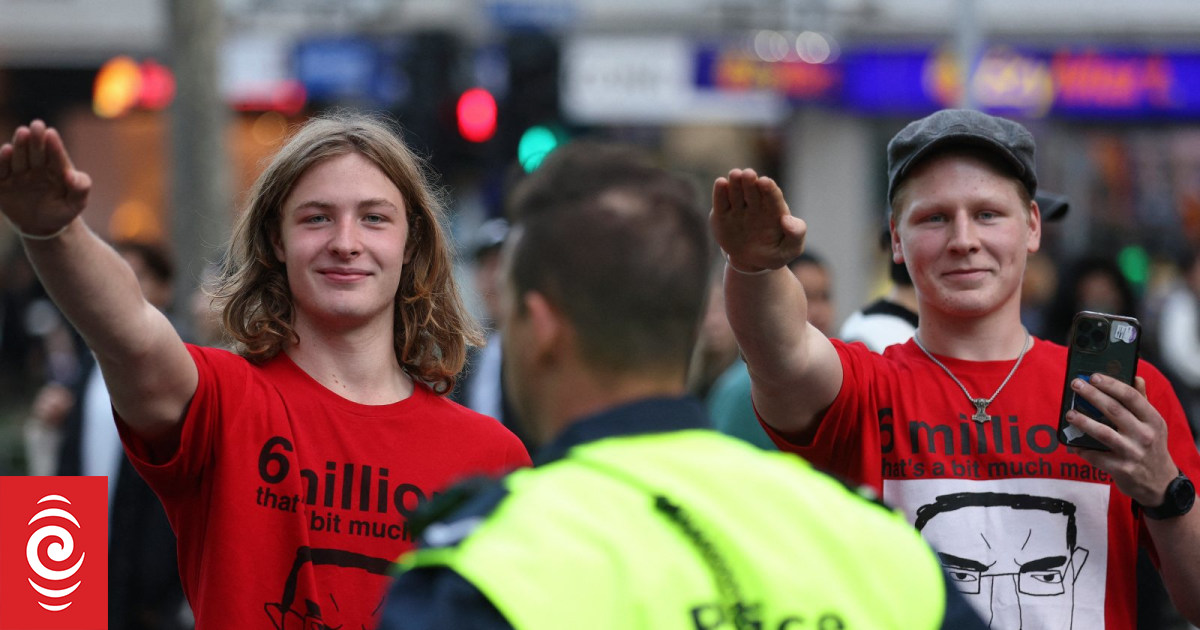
958	426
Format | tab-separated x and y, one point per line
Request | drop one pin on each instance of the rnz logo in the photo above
53	544
53	553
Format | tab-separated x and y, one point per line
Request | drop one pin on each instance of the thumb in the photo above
794	231
79	184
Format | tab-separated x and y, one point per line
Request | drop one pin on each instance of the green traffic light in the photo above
536	143
1135	265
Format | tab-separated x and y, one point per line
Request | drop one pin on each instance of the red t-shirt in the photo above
290	502
1032	535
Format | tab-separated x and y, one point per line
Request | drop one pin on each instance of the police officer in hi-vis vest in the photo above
637	515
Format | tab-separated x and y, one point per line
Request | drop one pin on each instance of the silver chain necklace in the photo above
981	404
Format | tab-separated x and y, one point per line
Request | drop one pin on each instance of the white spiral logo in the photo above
59	551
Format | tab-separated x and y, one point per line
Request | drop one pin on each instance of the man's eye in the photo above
316	218
373	218
963	576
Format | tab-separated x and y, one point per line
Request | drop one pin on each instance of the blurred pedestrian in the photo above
1091	283
481	387
1178	335
892	318
637	516
288	470
716	349
729	402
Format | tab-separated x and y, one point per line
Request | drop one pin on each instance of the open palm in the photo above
40	190
752	223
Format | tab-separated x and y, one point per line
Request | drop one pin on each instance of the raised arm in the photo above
794	369
147	368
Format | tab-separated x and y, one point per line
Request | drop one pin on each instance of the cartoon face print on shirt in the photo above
338	574
1015	556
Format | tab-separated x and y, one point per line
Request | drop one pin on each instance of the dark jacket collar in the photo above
649	415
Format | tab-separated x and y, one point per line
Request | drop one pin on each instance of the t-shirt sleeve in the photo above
222	384
515	454
846	441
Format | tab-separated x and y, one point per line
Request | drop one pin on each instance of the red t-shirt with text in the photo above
1032	535
290	502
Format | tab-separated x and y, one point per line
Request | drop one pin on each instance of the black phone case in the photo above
1102	343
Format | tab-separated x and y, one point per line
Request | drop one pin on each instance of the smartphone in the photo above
1103	343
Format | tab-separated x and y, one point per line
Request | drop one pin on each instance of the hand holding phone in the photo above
1099	342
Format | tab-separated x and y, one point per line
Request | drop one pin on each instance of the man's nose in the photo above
1005	603
963	236
346	241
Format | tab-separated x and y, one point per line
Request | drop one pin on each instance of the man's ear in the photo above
897	252
1034	220
547	325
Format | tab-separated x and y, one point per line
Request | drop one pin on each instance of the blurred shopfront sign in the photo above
353	69
651	80
1065	83
256	75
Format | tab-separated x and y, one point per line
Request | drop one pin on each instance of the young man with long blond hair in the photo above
288	470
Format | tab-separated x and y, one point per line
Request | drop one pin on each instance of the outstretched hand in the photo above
40	190
1138	459
752	223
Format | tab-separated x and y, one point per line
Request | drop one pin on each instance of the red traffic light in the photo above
476	114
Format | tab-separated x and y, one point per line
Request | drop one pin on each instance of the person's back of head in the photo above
620	246
432	325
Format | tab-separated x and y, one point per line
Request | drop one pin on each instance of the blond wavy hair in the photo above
433	328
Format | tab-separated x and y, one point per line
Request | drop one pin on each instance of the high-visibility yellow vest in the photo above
692	529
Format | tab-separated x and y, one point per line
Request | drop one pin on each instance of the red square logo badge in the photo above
53	553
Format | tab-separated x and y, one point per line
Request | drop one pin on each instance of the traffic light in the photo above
116	88
536	143
476	115
122	84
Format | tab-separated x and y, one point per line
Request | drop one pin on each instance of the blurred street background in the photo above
172	105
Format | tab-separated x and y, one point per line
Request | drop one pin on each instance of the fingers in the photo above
744	191
720	202
37	144
6	155
1135	422
1102	432
20	155
55	154
1120	397
28	149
